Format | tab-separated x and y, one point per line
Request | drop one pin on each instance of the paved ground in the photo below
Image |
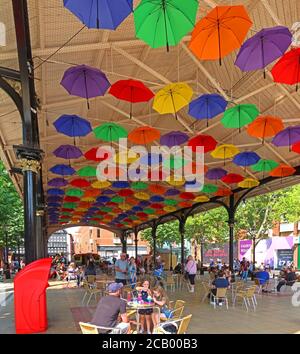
274	313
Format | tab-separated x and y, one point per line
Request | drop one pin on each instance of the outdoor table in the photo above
136	306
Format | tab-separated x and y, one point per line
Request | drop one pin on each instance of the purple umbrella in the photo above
263	48
57	182
287	137
85	81
215	173
172	192
54	199
174	138
68	152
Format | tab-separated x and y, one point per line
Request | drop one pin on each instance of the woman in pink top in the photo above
191	269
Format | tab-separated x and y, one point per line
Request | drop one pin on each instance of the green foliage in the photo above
288	206
165	233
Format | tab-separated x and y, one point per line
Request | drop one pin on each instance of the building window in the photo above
98	233
91	233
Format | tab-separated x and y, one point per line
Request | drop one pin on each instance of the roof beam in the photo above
271	12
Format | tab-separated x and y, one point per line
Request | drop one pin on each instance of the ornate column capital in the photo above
30	165
29	158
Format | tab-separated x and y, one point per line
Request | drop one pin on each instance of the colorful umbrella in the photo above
225	151
207	141
106	14
264	165
172	98
170	202
157	189
201	199
240	115
110	132
223	192
58	182
187	195
296	147
232	178
63	170
132	91
126	193
163	23
55	191
143	135
174	138
174	162
207	106
87	171
248	183
246	158
209	188
265	126
287	69
172	192
54	199
72	125
120	184
142	196
263	48
288	136
139	185
123	158
176	182
94	154
220	32
91	193
282	170
169	209
74	192
215	173
85	81
80	183
67	152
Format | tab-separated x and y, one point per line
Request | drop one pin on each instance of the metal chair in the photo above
88	328
221	294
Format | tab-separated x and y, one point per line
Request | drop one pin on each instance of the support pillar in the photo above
154	227
136	243
182	231
124	242
231	222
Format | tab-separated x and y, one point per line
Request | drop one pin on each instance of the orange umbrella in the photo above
144	135
91	193
223	192
157	189
265	126
282	170
220	32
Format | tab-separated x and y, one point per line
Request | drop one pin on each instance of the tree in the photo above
288	206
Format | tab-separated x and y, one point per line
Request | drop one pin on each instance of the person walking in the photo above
132	269
191	270
121	269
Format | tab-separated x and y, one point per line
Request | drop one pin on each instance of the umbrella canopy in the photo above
106	14
209	188
143	135
74	192
264	165
246	158
282	170
265	126
174	138
287	69
110	132
215	173
288	136
223	192
225	151
240	115
220	32
67	152
139	185
201	199
207	141
248	183
163	23
172	98
207	106
263	48
94	154
175	182
58	182
142	196
169	209
85	81
80	183
232	178
132	91
55	191
124	157
87	171
157	189
296	147
63	170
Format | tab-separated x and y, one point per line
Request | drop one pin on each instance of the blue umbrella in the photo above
246	158
68	152
137	208
120	184
157	199
144	203
103	199
58	182
63	170
55	191
72	125
108	191
207	106
106	14
172	191
54	205
54	199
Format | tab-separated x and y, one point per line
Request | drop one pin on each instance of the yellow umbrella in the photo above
123	158
201	199
125	206
175	182
225	151
88	199
248	183
172	98
100	184
81	209
169	209
142	196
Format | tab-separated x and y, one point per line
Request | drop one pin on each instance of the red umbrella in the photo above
71	199
157	206
185	204
232	178
80	183
132	91
67	209
223	192
287	69
187	195
142	215
125	192
94	152
144	135
207	141
296	147
157	189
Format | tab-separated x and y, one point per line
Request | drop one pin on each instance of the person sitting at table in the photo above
219	282
110	308
289	280
145	314
160	299
263	276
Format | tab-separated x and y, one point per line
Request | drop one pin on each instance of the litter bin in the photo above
30	286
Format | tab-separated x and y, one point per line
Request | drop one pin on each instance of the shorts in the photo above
123	327
145	311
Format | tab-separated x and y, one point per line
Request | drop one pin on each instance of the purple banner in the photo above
245	245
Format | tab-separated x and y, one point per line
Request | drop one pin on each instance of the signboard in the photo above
245	246
218	251
284	258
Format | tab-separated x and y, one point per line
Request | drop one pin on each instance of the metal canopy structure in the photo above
32	98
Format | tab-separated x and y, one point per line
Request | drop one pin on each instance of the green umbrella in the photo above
264	166
74	192
133	217
106	209
98	216
87	171
69	205
209	188
174	162
64	220
117	199
110	132
171	202
149	211
240	115
66	213
139	185
162	23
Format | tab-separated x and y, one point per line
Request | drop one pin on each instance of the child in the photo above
144	292
161	300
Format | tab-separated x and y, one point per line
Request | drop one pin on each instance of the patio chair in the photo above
170	282
247	295
182	323
91	279
89	292
175	314
221	294
178	303
207	290
88	328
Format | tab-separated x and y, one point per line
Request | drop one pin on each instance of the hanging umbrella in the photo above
142	196
101	184
263	48
54	199
80	183
94	154
91	193
207	141
105	14
296	147
174	162
209	188
265	126
187	195
72	125
185	204
55	191
282	170
223	192
174	138
125	193
74	192
110	132
201	199
72	199
123	158
220	32
240	115
87	171
215	173
58	182
157	188
225	151
157	199
248	183
172	98
132	91
264	165
169	209
67	152
246	158
120	184
175	182
162	23
232	178
288	136
63	170
287	69
170	202
139	185
143	135
207	106
85	81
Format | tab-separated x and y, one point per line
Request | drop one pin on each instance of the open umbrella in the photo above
85	81
174	138
67	152
172	192
132	91
63	170
176	182
207	106
139	185
80	183
207	141
263	48
223	192
74	192
93	154
55	191
172	98
72	125
142	196
209	188
87	171
157	188
232	178
240	115
265	126
282	170
144	135
215	173
110	132
264	165
220	32
296	147
58	182
287	69
163	23
249	183
225	151
106	14
246	158
288	136
201	199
